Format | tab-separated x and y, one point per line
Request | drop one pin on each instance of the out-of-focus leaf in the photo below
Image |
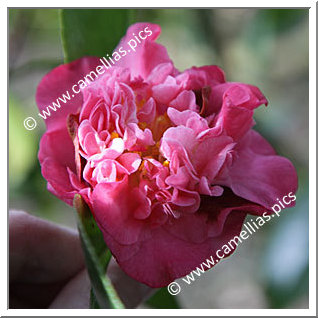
97	257
92	32
261	32
283	19
22	145
163	300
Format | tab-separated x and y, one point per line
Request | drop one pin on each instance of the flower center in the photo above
158	126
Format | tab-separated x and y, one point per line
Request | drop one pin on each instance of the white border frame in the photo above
312	167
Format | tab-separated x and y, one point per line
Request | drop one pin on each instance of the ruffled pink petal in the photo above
238	103
188	118
136	139
165	92
57	159
185	101
146	55
206	188
258	175
185	200
56	83
113	151
58	146
106	171
209	155
180	179
205	156
161	254
148	112
196	78
58	180
131	161
119	210
177	139
159	74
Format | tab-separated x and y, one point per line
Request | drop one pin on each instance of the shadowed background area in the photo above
267	48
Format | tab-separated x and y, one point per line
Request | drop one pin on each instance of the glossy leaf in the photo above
92	32
97	257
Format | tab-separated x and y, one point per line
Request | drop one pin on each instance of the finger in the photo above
75	294
41	251
32	296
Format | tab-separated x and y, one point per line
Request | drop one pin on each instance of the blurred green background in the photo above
264	47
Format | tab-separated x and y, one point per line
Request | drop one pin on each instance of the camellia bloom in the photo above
167	161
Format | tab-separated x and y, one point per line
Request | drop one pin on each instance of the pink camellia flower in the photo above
167	161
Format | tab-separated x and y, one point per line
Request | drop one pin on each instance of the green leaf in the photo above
283	19
97	257
163	300
22	144
93	303
94	32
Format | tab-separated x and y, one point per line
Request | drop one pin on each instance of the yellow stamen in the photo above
114	134
142	165
142	125
166	163
140	103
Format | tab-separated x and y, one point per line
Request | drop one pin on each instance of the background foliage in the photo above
267	48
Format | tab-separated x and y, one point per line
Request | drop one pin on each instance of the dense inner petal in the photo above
149	134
